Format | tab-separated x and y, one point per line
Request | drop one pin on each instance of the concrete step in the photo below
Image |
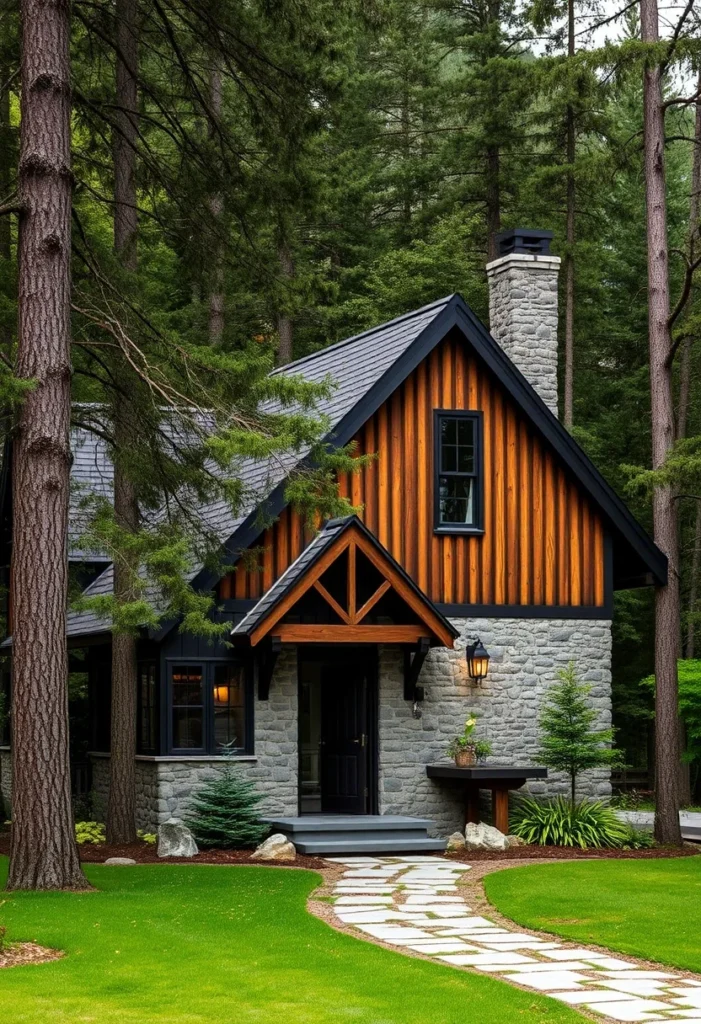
326	846
348	823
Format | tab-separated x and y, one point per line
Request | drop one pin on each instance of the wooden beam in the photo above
301	633
412	666
331	600
372	601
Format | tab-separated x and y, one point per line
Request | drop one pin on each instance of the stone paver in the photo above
414	903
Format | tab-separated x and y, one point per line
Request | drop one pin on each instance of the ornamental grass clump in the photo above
559	822
224	813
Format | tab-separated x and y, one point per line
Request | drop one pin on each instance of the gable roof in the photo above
367	368
371	365
331	537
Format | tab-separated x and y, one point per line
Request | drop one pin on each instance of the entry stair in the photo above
317	834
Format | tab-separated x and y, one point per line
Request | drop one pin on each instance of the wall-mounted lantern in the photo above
221	694
477	661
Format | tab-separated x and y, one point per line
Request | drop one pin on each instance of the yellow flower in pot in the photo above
465	749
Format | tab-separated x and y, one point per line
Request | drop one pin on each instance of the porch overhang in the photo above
355	593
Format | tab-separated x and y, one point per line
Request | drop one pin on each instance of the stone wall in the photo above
525	657
164	785
6	777
523	317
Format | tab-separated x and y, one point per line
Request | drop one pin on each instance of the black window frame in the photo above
476	417
208	666
143	745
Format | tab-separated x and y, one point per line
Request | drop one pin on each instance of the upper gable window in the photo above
458	472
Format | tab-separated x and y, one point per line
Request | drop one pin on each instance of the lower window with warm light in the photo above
209	708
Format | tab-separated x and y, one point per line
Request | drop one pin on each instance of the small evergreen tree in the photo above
225	813
569	743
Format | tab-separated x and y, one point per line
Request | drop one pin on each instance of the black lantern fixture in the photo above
477	660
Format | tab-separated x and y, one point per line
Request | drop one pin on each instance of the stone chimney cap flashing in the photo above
522	259
524	240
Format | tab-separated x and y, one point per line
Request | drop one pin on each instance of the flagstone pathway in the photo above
414	903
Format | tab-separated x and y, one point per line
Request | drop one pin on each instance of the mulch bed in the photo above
20	954
569	853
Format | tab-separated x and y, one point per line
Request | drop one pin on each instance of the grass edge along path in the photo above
646	908
207	945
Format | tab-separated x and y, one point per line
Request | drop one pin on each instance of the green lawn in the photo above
195	944
648	908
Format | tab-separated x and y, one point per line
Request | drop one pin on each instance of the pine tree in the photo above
225	813
569	742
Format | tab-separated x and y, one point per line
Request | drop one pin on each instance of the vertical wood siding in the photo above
543	542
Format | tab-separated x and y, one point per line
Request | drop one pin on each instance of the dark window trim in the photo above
208	750
476	528
141	747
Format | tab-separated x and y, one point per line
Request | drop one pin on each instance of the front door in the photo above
344	740
337	699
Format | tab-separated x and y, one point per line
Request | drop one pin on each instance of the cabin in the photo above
483	529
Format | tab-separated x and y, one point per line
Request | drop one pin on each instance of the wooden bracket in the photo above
412	666
266	665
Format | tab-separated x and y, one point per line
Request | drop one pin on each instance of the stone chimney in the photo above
523	307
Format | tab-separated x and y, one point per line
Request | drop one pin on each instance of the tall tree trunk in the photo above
43	849
568	405
216	206
121	805
284	321
493	202
667	633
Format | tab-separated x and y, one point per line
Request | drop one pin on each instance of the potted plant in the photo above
466	749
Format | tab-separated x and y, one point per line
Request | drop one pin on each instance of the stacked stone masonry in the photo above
523	317
526	655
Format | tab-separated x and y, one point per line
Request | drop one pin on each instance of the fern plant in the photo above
558	822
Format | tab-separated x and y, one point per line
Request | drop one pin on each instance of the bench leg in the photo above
500	810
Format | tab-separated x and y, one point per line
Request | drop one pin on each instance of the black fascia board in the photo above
457	313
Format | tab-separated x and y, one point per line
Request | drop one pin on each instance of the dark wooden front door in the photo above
344	740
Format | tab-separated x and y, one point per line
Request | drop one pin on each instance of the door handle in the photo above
362	740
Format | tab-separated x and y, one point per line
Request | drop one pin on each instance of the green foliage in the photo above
689	675
559	822
224	812
466	741
150	838
569	742
91	833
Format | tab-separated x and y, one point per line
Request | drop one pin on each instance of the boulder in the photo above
176	840
484	837
275	847
455	842
515	841
120	861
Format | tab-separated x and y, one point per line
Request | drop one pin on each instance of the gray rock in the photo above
276	847
515	841
120	861
484	837
455	842
176	840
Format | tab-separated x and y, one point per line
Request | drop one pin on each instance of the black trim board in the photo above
457	314
525	611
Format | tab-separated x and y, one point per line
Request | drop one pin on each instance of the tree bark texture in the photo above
568	403
121	804
284	321
667	631
216	206
6	157
43	849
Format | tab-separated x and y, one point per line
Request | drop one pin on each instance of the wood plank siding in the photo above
543	542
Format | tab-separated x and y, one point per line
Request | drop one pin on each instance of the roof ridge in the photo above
363	334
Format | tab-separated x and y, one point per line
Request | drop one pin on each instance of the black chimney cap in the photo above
524	240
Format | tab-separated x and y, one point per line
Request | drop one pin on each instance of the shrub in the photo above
147	837
91	832
225	813
558	822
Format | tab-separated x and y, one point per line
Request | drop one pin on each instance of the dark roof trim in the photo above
328	536
458	314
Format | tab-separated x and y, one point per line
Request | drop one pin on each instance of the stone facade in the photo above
523	317
164	785
525	657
